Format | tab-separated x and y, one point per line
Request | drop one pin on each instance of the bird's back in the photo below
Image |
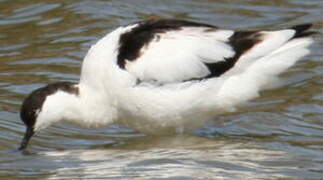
170	73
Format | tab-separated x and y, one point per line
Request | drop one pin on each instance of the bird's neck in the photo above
95	107
89	108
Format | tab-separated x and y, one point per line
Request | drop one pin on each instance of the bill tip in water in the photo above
24	143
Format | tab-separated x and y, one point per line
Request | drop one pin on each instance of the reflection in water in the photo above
170	163
278	135
167	157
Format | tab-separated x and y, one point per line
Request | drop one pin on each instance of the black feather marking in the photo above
305	34
241	42
130	43
302	30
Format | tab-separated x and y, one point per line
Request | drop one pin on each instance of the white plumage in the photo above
179	55
175	74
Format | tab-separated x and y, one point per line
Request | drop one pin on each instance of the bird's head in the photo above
35	112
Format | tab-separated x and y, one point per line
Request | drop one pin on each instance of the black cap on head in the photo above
32	105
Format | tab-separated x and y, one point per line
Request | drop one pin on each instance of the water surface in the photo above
276	136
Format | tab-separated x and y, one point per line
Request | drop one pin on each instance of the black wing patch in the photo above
241	42
131	42
301	30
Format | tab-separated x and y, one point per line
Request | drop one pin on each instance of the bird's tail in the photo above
245	85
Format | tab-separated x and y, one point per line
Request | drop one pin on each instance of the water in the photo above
277	136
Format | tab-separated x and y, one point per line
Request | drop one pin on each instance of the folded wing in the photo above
167	51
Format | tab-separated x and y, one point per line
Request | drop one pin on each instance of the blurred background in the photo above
276	136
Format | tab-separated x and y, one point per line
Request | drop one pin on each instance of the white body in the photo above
109	94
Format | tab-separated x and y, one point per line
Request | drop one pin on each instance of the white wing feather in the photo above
180	55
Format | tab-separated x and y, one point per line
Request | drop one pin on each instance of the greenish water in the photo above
277	136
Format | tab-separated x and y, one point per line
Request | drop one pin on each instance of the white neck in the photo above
90	108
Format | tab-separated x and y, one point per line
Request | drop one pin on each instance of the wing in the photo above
173	51
166	51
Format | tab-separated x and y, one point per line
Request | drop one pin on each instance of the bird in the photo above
159	73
